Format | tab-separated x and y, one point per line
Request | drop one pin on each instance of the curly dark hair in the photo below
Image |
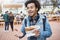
37	4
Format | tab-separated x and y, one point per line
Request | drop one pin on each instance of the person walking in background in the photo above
6	20
21	16
18	18
11	20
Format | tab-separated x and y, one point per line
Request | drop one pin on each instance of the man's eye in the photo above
27	8
31	7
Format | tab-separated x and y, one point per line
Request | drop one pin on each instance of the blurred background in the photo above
51	8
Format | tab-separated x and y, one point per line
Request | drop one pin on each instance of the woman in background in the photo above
11	20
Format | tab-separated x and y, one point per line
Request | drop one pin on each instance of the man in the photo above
34	18
6	20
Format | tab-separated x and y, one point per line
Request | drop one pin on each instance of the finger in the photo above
16	35
16	29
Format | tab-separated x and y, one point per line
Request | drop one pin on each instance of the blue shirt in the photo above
43	34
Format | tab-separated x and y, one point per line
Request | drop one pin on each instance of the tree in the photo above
54	4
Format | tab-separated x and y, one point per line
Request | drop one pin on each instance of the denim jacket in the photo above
43	34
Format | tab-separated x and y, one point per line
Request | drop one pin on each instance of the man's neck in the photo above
34	16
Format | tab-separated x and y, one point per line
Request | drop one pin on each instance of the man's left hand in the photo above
37	32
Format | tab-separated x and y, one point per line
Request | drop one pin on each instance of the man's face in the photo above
32	10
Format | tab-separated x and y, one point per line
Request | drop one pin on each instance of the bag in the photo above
44	21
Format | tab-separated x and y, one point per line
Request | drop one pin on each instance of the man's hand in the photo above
16	29
37	32
18	36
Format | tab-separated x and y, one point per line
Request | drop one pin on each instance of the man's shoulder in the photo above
26	17
42	16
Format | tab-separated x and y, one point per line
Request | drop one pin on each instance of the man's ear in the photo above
36	8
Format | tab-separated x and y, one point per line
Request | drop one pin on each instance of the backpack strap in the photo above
44	21
26	22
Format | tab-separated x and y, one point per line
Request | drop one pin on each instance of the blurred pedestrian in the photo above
11	20
6	20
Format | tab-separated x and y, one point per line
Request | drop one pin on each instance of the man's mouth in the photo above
30	12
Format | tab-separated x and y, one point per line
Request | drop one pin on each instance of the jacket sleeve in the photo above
23	27
47	32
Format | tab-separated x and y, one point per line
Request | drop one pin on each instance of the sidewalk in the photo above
55	26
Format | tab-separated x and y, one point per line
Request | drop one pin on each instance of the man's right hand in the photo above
16	29
18	36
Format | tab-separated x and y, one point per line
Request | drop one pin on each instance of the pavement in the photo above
10	35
